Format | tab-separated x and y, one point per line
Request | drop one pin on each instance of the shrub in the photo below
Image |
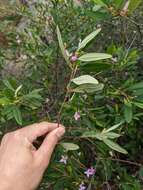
78	63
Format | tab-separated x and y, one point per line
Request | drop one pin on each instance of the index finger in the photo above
37	129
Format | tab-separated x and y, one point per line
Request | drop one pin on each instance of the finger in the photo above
45	151
36	130
29	145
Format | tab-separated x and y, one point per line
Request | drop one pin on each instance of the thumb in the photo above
45	151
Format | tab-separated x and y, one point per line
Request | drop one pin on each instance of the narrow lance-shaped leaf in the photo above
133	5
112	135
100	2
33	94
114	146
119	4
17	115
93	134
141	172
113	127
8	85
104	137
138	104
128	112
100	135
136	86
88	39
61	44
17	90
94	57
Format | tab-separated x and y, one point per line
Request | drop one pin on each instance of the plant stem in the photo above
73	73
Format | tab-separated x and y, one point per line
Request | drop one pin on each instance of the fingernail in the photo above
60	131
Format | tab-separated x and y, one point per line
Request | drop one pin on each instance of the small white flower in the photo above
63	159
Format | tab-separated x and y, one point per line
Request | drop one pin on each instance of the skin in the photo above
21	165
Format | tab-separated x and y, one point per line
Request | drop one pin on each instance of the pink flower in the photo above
90	172
73	58
63	159
77	116
82	186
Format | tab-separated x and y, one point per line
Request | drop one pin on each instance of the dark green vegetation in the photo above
37	84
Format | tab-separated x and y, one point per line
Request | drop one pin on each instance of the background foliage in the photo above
36	84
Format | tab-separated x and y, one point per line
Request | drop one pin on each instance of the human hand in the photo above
21	165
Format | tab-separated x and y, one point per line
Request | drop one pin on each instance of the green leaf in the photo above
93	134
119	4
4	101
94	67
88	39
128	113
70	146
113	127
17	90
96	8
84	79
34	94
114	146
61	44
136	86
8	112
94	57
133	5
138	104
138	93
88	88
112	135
141	172
8	85
17	115
100	135
100	2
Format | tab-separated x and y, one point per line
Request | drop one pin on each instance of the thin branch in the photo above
73	73
122	161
